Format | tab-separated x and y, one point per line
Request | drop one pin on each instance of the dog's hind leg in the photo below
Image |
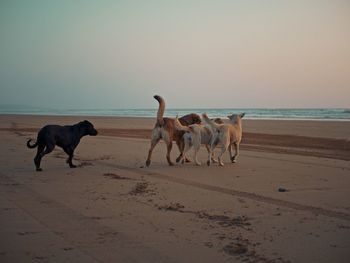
225	143
188	146
230	152
196	140
181	145
181	158
169	146
38	157
223	150
153	144
212	154
213	143
234	158
40	154
196	157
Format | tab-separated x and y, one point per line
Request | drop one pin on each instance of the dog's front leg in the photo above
70	161
70	153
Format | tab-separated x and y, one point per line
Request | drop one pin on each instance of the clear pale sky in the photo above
222	54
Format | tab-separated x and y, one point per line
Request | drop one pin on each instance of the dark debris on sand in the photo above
116	176
142	188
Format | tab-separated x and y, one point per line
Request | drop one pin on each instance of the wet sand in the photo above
286	200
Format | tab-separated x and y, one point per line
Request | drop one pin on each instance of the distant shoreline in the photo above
251	113
150	117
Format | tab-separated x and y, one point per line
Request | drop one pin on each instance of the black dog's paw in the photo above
72	166
39	169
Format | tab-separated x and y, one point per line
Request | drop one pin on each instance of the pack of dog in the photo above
188	132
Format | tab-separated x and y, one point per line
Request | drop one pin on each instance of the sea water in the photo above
250	113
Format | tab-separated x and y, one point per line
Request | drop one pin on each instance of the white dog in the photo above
227	135
195	135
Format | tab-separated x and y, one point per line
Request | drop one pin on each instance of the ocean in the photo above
251	113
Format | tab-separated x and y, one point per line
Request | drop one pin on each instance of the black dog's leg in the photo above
70	153
40	154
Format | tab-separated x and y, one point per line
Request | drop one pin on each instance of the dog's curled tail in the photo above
31	146
211	123
161	109
179	126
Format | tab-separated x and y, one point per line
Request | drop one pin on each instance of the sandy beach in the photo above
287	199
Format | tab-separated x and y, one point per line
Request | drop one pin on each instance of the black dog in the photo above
66	137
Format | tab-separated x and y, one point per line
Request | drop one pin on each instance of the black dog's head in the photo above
88	128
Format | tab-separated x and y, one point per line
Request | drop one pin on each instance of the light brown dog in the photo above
227	135
165	129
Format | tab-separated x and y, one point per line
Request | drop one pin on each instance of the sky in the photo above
196	54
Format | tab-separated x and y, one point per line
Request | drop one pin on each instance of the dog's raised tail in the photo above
179	126
161	109
210	122
31	146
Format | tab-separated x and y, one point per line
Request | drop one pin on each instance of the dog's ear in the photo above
87	123
230	116
241	115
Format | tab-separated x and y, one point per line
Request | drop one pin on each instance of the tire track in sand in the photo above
252	196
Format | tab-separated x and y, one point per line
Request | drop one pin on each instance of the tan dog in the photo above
165	129
227	135
195	136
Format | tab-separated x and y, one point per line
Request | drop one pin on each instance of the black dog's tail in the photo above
31	146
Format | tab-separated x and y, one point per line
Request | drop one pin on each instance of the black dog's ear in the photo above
85	122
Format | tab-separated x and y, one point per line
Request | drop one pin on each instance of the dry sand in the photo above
113	209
